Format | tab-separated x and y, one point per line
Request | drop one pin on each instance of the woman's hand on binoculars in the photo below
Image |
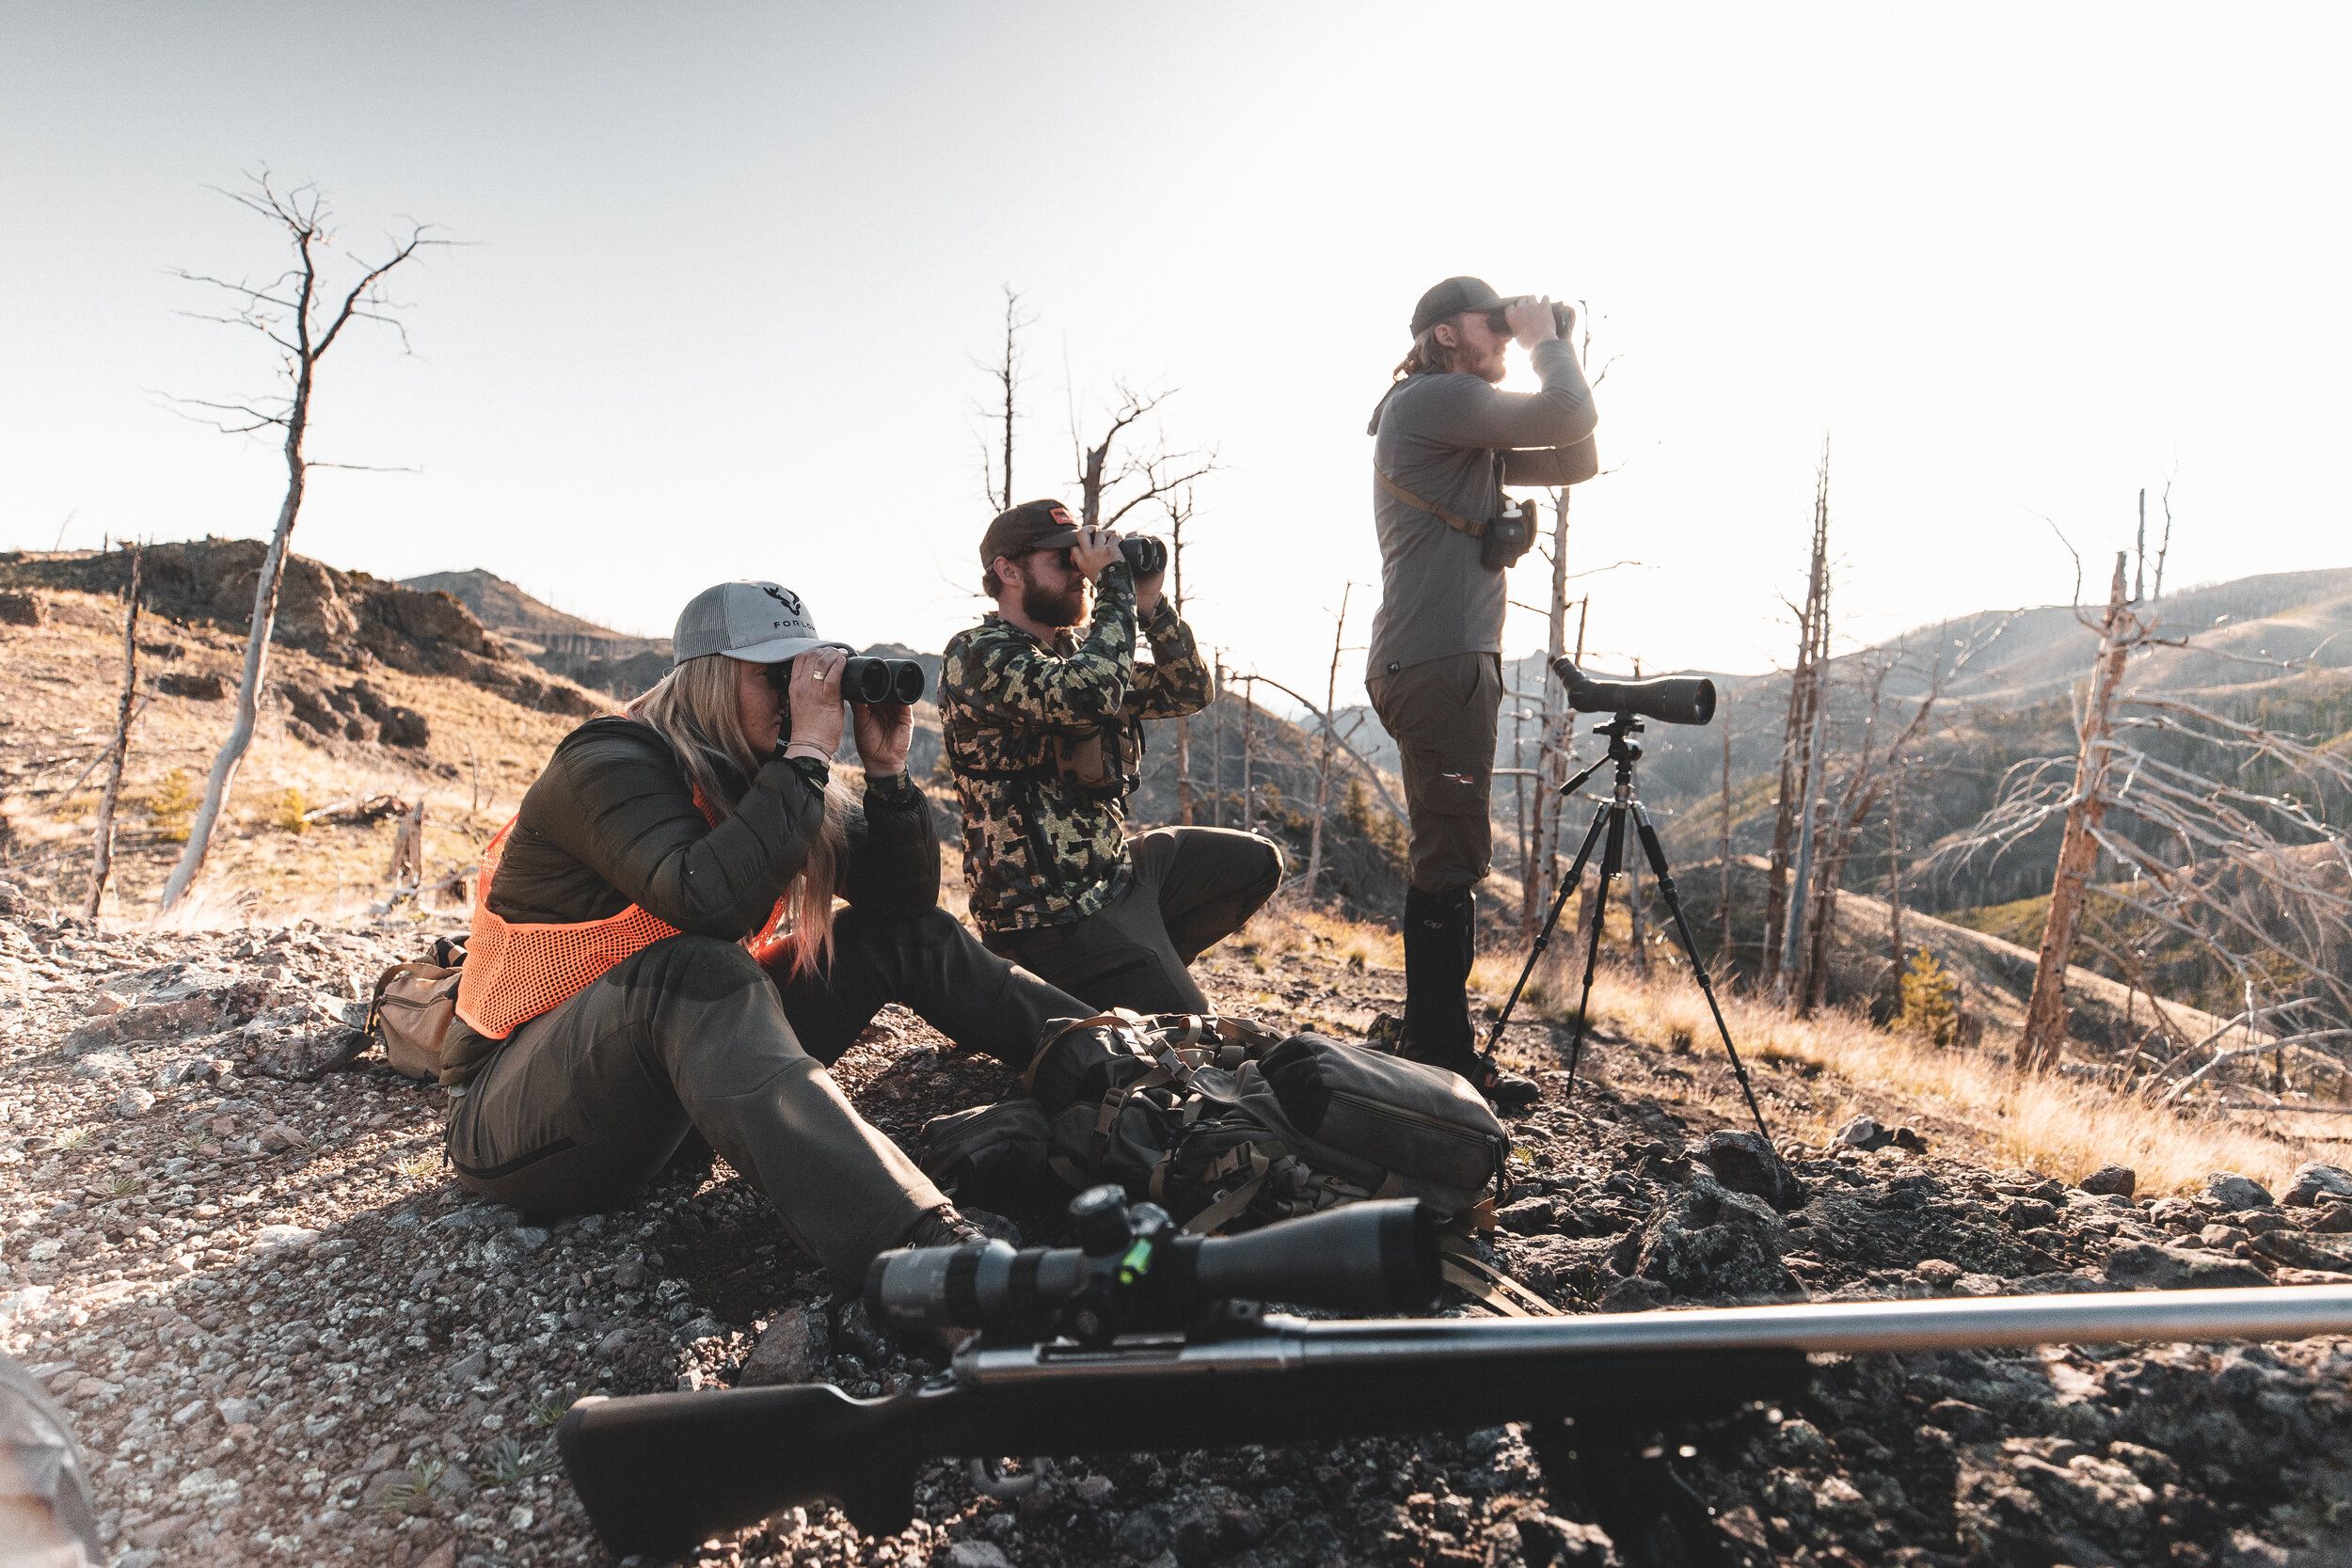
1096	549
1531	321
884	731
815	697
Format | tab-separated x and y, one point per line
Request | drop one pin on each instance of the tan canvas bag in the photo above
410	1016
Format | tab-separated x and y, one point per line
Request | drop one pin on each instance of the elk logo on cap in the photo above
785	597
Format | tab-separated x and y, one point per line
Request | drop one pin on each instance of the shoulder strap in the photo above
1454	520
1498	1291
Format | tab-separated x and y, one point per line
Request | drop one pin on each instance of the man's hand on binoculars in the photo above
816	698
1147	593
1096	549
884	731
1532	321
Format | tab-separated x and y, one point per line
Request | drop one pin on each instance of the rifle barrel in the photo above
1856	1328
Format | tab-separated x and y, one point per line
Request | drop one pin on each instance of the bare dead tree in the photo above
1871	771
1107	491
1249	751
2221	830
1723	860
1005	371
119	750
406	875
1338	738
1217	746
2045	1010
1177	506
1323	759
1895	860
303	317
1798	737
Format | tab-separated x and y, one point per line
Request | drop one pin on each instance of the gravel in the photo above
286	1336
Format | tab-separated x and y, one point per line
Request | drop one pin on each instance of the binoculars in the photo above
866	679
1144	554
1562	318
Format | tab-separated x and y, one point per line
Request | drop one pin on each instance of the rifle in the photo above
1134	1340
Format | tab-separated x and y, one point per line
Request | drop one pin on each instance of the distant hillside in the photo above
578	650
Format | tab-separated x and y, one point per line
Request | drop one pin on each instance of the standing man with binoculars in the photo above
1445	442
1045	735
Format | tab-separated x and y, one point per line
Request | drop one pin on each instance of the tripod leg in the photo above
1542	938
1656	854
1611	861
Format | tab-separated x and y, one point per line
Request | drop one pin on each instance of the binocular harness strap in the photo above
1453	519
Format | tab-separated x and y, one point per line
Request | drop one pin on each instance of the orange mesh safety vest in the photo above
514	971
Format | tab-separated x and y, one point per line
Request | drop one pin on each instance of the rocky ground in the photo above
235	1257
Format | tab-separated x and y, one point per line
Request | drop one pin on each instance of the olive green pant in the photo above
1185	891
1442	714
582	1106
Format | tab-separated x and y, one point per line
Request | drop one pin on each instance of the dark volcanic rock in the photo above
1710	1243
2312	1179
2233	1191
1744	1162
2143	1266
2120	1180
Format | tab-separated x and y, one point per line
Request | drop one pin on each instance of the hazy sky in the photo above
730	267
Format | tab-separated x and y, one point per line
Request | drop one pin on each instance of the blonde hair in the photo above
695	708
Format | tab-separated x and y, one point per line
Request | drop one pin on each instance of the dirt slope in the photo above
469	748
286	1336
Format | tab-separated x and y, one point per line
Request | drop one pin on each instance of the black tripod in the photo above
1623	751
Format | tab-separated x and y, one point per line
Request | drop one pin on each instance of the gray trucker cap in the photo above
760	623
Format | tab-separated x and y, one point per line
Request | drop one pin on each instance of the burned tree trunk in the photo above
302	328
102	842
1323	759
1217	749
1798	752
2078	849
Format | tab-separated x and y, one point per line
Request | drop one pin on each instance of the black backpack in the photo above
1224	1123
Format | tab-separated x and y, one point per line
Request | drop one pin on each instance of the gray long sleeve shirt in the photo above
1454	440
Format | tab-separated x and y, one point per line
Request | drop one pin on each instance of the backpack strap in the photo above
1250	1157
1454	520
1119	1020
1498	1291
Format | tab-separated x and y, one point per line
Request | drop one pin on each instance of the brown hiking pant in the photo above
582	1106
1442	714
1185	891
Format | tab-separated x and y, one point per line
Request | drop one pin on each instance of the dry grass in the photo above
2053	1125
1282	928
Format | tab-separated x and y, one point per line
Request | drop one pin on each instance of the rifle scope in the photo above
1668	699
1133	1271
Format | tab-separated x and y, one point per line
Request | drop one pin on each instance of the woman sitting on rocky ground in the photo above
656	956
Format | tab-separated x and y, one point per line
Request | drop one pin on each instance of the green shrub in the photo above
1930	1007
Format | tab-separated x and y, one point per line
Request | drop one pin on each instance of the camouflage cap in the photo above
760	623
1031	526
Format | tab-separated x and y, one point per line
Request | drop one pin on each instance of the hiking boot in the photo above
1437	953
1509	1093
949	1226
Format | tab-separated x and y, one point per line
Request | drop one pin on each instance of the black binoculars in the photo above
1562	318
1144	554
866	679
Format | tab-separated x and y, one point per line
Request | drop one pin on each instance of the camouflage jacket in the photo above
1036	851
